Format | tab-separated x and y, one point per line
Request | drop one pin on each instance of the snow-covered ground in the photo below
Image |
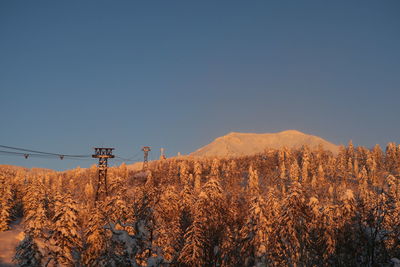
8	241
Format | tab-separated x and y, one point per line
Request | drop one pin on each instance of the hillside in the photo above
239	144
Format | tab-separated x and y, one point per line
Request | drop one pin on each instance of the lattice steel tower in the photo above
103	154
146	150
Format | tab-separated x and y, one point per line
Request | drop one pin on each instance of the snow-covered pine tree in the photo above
186	209
168	232
187	198
5	216
392	220
350	151
255	233
356	168
232	176
348	203
116	207
192	253
34	193
371	165
123	172
305	164
211	204
65	237
117	183
173	171
320	174
231	245
350	166
197	176
207	227
294	171
123	247
132	243
313	181
35	211
291	234
391	158
36	220
214	172
6	205
363	179
253	182
89	193
183	172
345	225
378	156
27	253
341	163
95	240
281	164
314	232
149	179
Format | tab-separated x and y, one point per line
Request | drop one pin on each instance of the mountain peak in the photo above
239	144
291	132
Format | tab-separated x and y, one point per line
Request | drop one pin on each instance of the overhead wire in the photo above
27	153
131	159
39	154
35	155
46	153
24	154
117	158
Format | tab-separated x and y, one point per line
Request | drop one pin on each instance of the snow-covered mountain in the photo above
238	144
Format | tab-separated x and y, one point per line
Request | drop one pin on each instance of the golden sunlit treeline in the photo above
287	207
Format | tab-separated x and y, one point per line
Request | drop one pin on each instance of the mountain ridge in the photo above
240	144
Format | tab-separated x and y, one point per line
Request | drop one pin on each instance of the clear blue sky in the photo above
177	74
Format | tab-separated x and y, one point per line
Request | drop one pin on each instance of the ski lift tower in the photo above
103	154
146	150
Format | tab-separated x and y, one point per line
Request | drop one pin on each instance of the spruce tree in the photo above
255	233
197	176
95	239
305	163
169	228
27	252
294	171
192	253
292	232
320	174
65	231
214	172
6	205
183	173
281	162
253	181
36	220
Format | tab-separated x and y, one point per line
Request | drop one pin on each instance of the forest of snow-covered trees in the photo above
288	207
